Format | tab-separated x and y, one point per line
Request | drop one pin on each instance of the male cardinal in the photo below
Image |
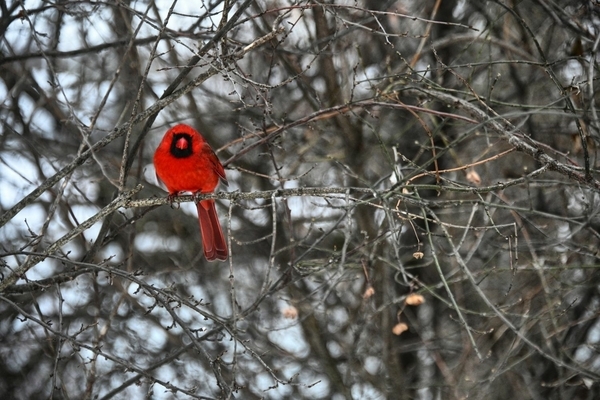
184	162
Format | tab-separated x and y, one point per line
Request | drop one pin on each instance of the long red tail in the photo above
213	241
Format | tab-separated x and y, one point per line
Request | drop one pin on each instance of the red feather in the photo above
185	162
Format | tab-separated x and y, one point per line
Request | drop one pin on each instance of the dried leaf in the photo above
399	328
414	299
473	177
290	312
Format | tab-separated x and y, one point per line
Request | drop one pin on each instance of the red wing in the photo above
216	164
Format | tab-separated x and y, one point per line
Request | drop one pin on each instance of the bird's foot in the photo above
171	199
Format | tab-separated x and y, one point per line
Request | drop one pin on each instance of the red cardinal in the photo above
186	163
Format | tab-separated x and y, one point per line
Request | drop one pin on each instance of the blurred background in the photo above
412	210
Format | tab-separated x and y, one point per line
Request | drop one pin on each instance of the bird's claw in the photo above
196	195
171	199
